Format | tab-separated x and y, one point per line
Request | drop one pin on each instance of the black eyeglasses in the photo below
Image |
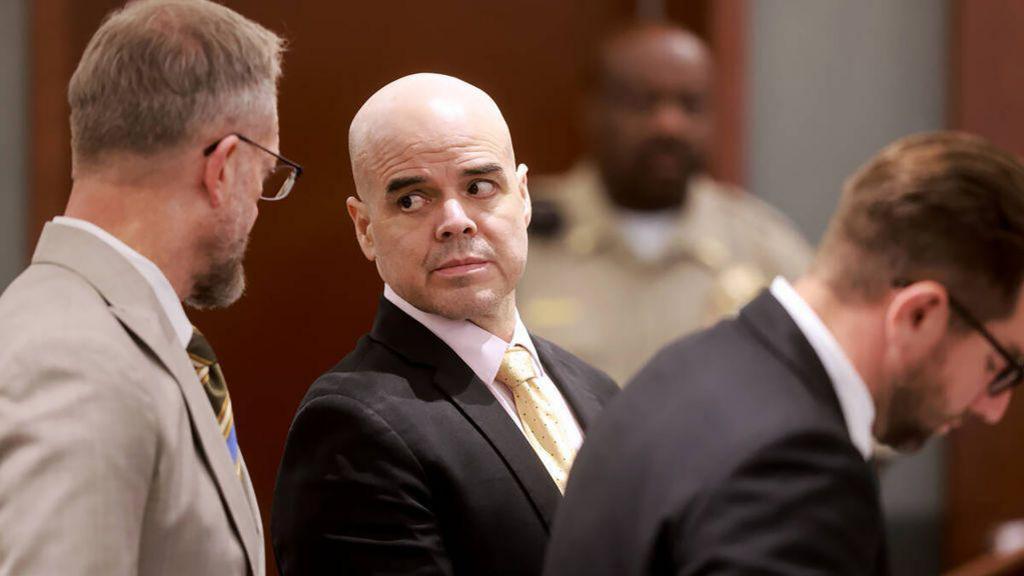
281	178
1013	373
1008	377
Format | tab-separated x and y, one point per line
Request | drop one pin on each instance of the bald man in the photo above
441	444
639	221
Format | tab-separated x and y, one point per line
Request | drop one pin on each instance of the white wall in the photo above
831	82
13	137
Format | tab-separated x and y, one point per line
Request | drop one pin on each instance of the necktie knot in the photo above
516	367
199	348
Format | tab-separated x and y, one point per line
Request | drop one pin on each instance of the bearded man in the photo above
118	450
744	449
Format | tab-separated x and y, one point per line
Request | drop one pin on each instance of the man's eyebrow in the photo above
396	184
483	170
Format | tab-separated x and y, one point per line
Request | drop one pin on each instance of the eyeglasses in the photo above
279	182
1008	377
1013	373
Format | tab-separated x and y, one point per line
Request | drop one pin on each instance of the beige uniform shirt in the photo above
586	289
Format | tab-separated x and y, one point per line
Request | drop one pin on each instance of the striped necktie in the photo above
544	424
208	370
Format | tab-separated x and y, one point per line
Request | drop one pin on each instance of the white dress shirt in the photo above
854	398
165	293
483	352
648	234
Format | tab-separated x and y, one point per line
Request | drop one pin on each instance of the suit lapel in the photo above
254	509
584	404
407	337
134	304
777	331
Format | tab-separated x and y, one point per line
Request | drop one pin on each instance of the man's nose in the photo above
454	221
670	119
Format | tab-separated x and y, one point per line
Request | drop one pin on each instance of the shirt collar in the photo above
478	348
854	398
165	293
648	234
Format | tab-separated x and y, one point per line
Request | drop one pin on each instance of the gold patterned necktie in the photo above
208	370
545	422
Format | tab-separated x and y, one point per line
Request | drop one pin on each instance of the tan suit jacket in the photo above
111	460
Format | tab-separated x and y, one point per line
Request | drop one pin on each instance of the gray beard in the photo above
223	282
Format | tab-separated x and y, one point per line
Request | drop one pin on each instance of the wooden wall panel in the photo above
723	25
311	293
728	35
53	54
985	464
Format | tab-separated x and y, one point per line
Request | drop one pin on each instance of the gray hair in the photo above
157	71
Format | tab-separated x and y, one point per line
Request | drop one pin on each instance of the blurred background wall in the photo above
984	468
808	90
13	137
831	83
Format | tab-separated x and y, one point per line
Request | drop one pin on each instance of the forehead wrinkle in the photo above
423	155
420	115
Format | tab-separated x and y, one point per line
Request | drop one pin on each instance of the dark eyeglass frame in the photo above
1013	373
289	183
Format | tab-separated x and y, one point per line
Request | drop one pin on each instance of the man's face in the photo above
651	120
444	215
933	396
223	280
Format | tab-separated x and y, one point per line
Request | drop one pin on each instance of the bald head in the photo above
421	111
442	208
666	45
649	119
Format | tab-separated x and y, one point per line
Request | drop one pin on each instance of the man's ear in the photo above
524	190
220	170
917	320
359	213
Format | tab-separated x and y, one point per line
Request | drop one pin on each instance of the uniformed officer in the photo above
638	245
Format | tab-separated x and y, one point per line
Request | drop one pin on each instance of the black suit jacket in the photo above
727	454
401	461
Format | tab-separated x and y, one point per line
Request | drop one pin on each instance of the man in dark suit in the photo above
442	443
744	449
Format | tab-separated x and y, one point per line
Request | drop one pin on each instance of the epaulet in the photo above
548	220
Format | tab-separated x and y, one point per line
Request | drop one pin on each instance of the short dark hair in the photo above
597	67
943	206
